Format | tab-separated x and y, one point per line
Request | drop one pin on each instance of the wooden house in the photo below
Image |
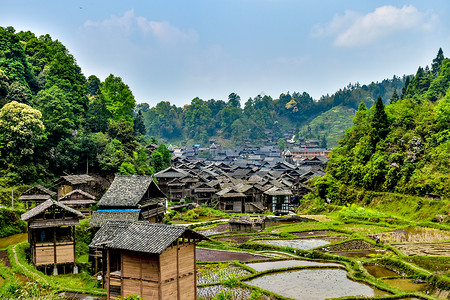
167	175
278	200
202	193
35	196
154	261
51	234
231	200
83	182
79	200
131	195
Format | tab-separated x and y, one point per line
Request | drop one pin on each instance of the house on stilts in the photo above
154	261
51	234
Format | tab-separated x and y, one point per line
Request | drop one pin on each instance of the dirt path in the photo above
25	270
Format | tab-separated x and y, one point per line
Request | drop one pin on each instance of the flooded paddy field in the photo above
379	271
314	284
237	293
215	273
203	254
240	239
302	244
281	264
410	285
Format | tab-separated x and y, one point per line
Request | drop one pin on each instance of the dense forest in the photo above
402	147
54	120
260	117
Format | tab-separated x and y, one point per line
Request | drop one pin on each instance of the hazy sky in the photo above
178	50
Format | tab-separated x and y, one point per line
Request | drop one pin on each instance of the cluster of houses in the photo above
131	251
240	186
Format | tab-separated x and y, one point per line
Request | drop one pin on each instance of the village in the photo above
131	251
136	248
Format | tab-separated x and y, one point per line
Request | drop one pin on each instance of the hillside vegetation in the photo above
403	147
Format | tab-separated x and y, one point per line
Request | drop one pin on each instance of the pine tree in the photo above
379	122
436	64
394	97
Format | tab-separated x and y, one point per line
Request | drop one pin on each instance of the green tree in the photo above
379	121
118	98
282	144
139	126
394	97
22	130
234	100
93	84
436	64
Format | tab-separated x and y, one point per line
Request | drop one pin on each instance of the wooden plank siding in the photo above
171	275
44	255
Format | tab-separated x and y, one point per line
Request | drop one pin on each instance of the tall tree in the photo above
234	100
436	64
118	98
22	130
379	121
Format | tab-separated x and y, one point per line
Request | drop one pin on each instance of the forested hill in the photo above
402	147
54	120
257	118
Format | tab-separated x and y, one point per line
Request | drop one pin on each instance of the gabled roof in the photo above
171	172
39	190
46	205
100	217
141	236
76	179
276	191
68	195
129	190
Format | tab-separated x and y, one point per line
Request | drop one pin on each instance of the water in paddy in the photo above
408	285
379	271
314	284
303	244
363	253
13	239
272	265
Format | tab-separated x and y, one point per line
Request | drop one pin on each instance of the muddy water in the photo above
408	285
303	244
379	271
13	239
272	265
208	292
314	284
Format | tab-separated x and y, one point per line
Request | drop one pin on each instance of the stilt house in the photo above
35	196
79	200
51	235
131	197
154	261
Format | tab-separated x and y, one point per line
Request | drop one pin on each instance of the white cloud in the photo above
165	32
128	24
354	29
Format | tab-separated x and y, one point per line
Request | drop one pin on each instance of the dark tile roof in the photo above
39	189
128	190
44	206
77	179
171	172
100	217
141	236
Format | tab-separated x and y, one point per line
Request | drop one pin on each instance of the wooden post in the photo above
178	269
159	279
55	268
75	267
107	275
195	270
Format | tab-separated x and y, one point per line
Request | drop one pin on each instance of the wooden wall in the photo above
45	254
170	275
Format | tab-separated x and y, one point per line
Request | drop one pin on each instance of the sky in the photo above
178	50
